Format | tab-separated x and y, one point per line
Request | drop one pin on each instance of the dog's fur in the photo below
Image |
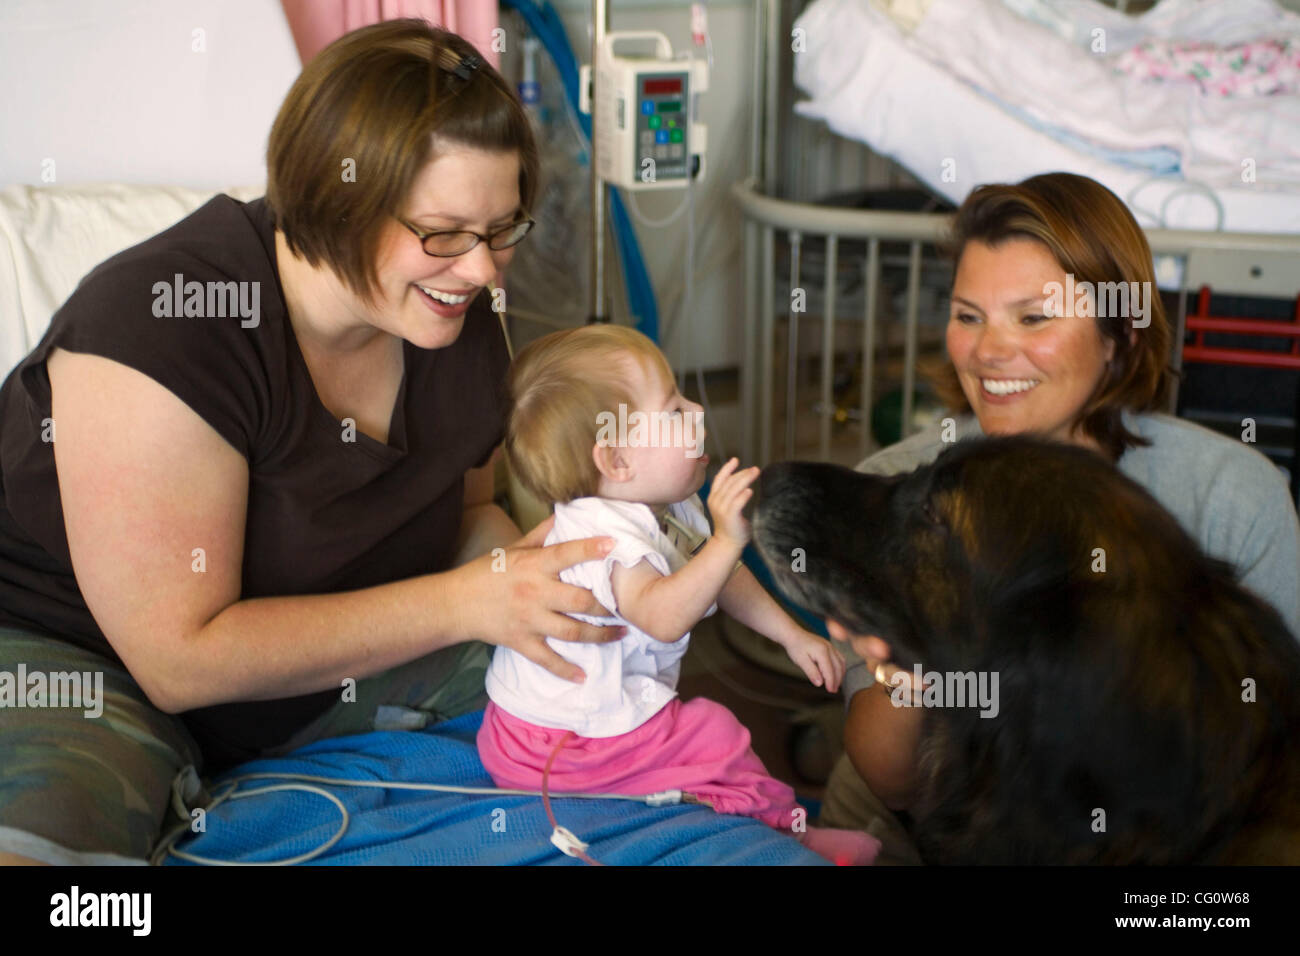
1120	690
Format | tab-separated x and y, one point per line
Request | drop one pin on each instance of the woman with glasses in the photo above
248	472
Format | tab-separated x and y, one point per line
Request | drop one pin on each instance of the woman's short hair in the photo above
560	386
1095	238
360	123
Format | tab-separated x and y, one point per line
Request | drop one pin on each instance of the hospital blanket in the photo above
404	827
988	81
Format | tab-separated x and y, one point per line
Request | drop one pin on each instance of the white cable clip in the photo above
666	798
567	843
699	24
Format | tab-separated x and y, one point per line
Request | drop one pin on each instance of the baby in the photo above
624	729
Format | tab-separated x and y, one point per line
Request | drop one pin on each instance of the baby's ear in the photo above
611	462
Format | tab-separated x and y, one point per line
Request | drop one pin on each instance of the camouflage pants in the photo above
78	787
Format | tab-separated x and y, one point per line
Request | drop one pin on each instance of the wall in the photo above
129	92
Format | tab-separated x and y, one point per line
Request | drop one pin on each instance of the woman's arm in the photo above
880	740
483	525
144	482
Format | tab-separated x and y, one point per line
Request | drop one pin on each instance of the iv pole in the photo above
599	13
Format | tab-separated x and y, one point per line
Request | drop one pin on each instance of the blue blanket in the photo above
430	828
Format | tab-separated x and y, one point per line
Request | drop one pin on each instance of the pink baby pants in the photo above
698	747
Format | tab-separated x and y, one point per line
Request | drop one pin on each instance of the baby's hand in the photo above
727	497
818	658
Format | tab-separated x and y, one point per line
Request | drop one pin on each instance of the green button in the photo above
654	122
672	124
675	136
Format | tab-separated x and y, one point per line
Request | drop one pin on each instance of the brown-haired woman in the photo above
262	524
1056	328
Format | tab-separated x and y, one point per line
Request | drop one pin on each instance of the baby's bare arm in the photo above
668	607
747	601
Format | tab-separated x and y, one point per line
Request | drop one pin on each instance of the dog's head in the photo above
1144	701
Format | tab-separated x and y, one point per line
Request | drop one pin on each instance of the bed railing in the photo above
764	217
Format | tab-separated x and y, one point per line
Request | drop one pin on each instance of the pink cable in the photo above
546	800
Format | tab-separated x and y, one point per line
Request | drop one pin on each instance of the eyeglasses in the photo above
445	243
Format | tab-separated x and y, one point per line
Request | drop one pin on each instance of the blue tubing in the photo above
546	25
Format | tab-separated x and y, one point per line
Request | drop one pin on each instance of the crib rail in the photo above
765	217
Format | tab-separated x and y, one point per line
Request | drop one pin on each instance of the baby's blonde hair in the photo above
559	386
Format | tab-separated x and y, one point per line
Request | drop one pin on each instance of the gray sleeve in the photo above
921	448
1268	557
1230	498
856	676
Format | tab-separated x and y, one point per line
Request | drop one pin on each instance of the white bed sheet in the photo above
1026	67
51	236
868	83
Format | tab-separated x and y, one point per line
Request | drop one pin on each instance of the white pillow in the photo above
51	236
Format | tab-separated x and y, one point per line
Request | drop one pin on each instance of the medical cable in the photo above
562	837
166	847
699	37
649	223
1181	187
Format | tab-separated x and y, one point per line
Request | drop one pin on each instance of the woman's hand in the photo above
727	498
899	684
818	659
515	599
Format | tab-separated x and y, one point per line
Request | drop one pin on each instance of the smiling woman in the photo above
1092	375
1019	362
241	519
413	294
1021	369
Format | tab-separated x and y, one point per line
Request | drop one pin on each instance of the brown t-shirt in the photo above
324	514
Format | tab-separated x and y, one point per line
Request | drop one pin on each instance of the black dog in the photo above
1148	706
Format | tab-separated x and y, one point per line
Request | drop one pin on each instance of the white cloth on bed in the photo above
1225	22
1217	21
869	83
630	680
1060	84
51	236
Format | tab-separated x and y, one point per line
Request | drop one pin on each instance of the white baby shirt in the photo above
630	680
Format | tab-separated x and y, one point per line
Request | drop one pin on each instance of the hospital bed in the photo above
892	76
